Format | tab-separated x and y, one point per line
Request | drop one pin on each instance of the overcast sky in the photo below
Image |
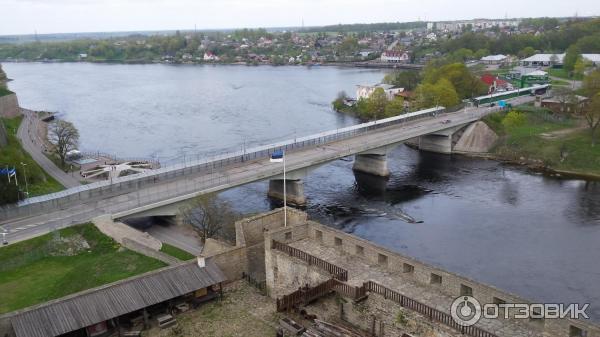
62	16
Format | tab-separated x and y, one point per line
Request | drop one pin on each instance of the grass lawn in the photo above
538	140
562	73
559	82
64	262
39	182
176	252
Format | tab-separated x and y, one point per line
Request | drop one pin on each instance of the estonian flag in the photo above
277	156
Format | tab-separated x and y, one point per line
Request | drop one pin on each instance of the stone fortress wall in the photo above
283	274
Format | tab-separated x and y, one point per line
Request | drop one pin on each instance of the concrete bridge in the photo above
158	193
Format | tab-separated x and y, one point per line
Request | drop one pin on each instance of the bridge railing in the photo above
100	190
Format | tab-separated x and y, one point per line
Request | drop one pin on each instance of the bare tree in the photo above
592	116
65	137
564	96
209	216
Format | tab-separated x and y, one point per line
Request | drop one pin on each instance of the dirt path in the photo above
562	132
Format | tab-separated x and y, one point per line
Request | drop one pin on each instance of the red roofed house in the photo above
496	84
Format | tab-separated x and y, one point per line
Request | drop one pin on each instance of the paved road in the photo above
171	191
32	143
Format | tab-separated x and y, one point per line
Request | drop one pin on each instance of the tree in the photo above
526	52
338	103
463	81
580	66
592	116
395	107
591	84
442	93
210	217
571	56
445	93
564	95
2	75
376	103
407	79
514	119
65	138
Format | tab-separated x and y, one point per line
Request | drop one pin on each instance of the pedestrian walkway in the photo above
32	143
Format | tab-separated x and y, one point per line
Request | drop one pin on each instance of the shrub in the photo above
514	119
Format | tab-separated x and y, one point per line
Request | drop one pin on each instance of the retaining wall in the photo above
9	106
450	284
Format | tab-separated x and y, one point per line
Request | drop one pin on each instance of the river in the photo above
520	231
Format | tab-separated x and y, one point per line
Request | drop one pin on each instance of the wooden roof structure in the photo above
99	304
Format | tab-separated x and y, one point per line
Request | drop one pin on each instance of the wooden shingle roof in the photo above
103	303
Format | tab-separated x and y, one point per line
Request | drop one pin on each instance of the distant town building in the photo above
365	53
494	59
594	59
558	105
208	56
543	60
365	91
395	56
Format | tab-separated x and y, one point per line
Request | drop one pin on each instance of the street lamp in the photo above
278	156
25	174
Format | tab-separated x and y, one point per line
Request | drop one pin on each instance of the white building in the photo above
365	91
395	56
208	56
592	58
494	59
543	60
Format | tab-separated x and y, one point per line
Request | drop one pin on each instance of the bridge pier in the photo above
294	189
436	143
371	163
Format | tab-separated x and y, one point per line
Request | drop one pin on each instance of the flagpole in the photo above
284	195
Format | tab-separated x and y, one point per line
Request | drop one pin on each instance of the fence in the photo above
337	272
101	190
425	310
305	295
260	285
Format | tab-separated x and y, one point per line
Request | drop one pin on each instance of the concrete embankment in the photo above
9	106
477	138
133	239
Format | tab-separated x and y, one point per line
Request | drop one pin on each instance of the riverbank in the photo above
29	174
556	145
367	65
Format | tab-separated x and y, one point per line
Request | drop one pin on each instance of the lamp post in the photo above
279	157
25	174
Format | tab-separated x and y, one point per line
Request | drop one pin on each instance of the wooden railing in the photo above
425	310
305	295
337	272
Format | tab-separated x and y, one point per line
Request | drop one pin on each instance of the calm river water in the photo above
529	234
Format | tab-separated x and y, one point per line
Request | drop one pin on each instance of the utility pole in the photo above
25	173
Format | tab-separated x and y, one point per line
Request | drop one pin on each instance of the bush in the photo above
514	119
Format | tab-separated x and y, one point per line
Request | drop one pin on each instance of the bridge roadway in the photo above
175	190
